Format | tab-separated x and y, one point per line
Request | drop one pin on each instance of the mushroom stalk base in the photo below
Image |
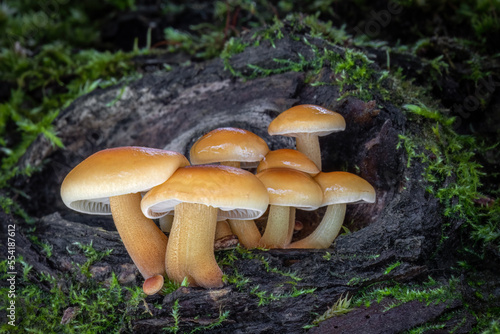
309	145
145	242
247	232
276	233
327	230
190	251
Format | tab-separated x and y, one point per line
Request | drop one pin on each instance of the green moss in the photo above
430	292
340	307
176	316
452	174
353	71
392	267
70	304
287	288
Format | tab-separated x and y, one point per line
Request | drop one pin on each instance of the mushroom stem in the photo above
291	225
309	145
166	223
327	230
247	232
190	252
144	241
276	232
222	230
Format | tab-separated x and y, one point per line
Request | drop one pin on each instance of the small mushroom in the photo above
232	147
293	159
288	158
287	188
339	189
199	196
110	182
306	122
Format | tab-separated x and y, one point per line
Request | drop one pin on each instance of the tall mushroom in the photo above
198	195
306	122
235	147
293	159
287	188
111	182
339	189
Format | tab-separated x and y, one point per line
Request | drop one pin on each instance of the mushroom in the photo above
293	159
288	158
110	182
199	196
287	188
339	189
232	147
306	122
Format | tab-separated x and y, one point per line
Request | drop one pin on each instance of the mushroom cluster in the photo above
215	194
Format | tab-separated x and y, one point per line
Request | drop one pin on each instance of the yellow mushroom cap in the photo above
114	172
306	118
288	158
289	187
344	187
238	194
228	144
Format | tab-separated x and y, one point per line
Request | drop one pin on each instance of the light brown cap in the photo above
289	187
114	172
344	187
238	194
306	118
228	144
288	158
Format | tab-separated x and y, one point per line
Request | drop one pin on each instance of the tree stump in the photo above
286	289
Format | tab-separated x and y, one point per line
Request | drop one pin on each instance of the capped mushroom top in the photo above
228	144
117	171
306	118
238	194
288	158
290	187
344	187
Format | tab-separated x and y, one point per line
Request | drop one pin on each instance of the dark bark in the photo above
171	110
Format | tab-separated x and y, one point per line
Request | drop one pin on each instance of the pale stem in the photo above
291	225
309	145
190	251
327	230
144	241
247	232
276	232
166	223
222	230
